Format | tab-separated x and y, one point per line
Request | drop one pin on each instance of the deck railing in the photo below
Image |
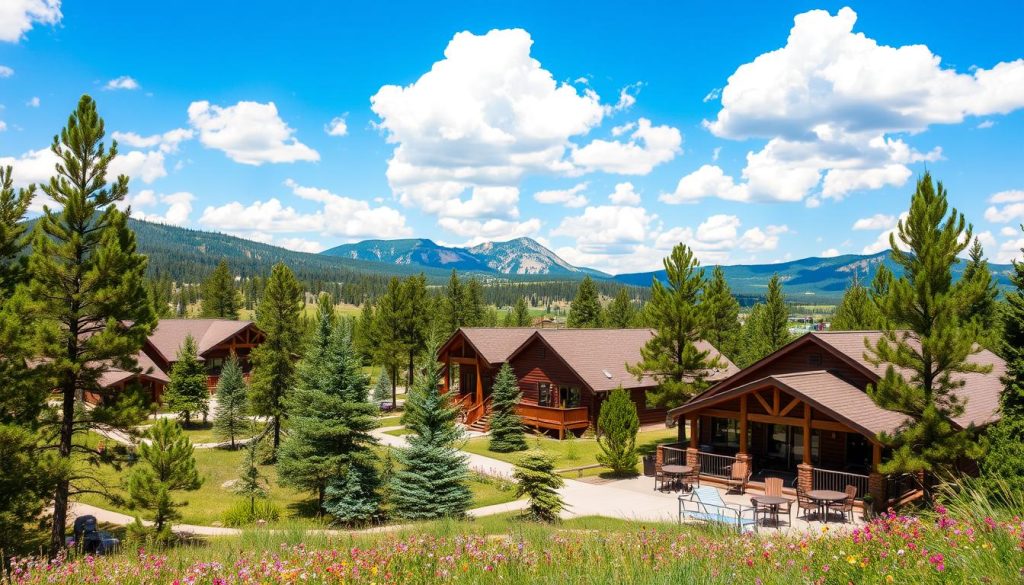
673	456
546	416
827	479
715	465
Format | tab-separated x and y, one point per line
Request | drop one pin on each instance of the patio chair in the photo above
693	478
846	506
705	504
659	479
805	504
773	487
739	475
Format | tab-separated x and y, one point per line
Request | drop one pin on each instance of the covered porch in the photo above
810	429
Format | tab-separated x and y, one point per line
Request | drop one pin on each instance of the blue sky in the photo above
606	132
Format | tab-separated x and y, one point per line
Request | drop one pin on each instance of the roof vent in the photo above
607	374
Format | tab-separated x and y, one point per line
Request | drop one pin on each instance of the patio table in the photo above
676	470
823	498
769	504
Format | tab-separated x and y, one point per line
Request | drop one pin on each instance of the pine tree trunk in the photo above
58	531
412	356
394	389
277	433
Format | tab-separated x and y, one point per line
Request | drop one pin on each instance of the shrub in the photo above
618	424
245	513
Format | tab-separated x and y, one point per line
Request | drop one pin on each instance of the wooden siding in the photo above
536	363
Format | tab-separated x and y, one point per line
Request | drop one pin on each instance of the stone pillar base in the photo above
876	487
659	458
805	476
691	456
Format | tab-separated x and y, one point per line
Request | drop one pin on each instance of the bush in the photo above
244	513
618	423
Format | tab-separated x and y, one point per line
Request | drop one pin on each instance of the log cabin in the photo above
563	374
803	413
215	339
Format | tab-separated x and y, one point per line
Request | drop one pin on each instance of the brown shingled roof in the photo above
822	390
146	365
598	356
170	334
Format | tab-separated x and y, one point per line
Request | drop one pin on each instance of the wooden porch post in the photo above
479	383
447	374
805	470
876	481
691	452
743	424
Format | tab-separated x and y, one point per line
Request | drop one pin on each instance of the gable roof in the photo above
148	369
822	390
981	391
597	356
169	334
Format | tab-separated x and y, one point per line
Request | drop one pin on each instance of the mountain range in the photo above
188	255
521	256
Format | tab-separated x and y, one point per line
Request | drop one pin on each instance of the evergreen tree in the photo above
585	309
475	306
983	309
722	312
166	464
273	367
521	314
387	324
88	294
354	497
251	483
330	424
856	312
536	479
432	480
231	418
220	298
775	324
507	431
364	337
938	341
454	304
13	207
186	393
509	320
753	345
621	312
413	320
671	356
382	389
880	285
617	425
1011	400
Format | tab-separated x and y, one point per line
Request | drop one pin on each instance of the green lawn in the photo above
390	421
573	453
398	432
200	432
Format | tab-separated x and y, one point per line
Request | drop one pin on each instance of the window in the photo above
725	432
570	396
544	397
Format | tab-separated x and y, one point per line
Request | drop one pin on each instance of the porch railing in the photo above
548	417
673	456
715	465
827	479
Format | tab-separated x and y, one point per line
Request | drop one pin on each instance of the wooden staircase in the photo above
482	424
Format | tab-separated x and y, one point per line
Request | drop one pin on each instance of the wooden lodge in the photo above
803	413
215	339
564	374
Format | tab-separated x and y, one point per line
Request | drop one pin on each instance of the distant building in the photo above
215	340
564	374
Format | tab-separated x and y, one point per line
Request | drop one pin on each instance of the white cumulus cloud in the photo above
878	221
250	133
624	194
17	17
5	71
648	147
336	127
572	197
1009	206
178	206
827	100
124	82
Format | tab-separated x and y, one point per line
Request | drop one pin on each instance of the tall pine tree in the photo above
1012	399
721	310
186	393
521	314
983	309
923	360
231	418
856	312
432	480
88	293
585	309
454	304
775	324
621	311
273	363
671	356
220	298
387	325
507	432
330	423
413	320
475	307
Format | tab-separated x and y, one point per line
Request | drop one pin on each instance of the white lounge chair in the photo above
705	504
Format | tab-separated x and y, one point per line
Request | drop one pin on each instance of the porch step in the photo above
482	424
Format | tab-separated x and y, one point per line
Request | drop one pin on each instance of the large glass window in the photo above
544	397
725	432
570	396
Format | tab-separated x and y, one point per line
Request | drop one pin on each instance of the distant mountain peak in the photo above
523	255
